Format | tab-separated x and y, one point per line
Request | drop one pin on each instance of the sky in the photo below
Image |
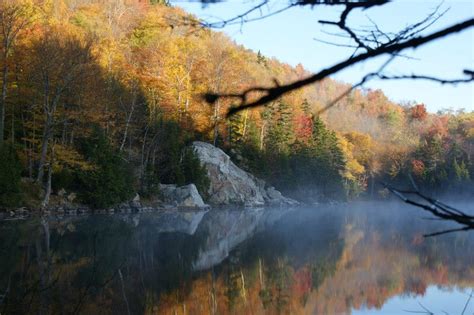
437	300
292	37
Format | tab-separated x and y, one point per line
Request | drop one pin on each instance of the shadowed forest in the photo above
103	98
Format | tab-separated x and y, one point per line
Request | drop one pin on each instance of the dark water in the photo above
351	259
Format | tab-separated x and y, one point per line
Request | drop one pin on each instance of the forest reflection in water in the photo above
360	258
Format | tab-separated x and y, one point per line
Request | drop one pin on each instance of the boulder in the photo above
276	198
135	203
229	184
182	197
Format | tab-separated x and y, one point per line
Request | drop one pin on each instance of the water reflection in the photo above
306	261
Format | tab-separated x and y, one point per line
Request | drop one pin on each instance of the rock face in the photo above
183	197
232	185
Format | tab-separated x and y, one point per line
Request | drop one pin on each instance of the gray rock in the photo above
136	198
229	184
183	197
275	197
135	203
71	197
273	193
232	185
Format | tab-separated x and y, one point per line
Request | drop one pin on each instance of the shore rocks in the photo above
229	184
182	197
274	197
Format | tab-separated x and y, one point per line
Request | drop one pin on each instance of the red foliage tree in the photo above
417	167
303	127
419	112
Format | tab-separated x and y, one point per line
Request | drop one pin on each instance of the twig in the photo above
273	93
436	208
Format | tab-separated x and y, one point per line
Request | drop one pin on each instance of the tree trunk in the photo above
3	99
47	192
262	132
216	122
44	147
127	125
246	116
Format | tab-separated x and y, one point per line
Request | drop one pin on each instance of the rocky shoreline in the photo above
229	186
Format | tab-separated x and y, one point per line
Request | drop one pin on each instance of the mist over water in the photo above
360	258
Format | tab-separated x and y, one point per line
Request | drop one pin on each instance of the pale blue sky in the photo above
289	36
437	300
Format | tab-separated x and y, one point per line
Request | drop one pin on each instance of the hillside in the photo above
103	97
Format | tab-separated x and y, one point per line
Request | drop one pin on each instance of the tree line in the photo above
103	99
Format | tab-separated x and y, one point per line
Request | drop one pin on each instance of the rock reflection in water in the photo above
315	261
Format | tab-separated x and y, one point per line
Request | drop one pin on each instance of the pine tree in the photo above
306	107
236	127
280	133
110	181
195	172
10	172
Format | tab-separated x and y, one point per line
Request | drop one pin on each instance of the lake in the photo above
359	258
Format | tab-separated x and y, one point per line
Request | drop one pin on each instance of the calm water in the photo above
351	259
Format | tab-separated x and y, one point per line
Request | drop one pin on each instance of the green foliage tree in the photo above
236	127
195	172
10	172
170	154
280	133
328	159
110	181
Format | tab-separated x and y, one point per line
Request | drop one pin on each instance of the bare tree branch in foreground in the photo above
425	310
437	208
368	43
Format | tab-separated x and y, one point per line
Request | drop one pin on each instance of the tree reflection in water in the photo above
314	261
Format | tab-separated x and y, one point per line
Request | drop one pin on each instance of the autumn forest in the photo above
103	98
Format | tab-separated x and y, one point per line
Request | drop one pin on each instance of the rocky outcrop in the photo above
182	197
229	184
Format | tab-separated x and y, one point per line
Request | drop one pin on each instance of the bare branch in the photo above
366	78
273	93
436	208
429	78
244	17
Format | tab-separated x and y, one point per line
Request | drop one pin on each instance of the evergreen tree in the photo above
326	160
461	172
280	133
10	172
306	107
236	129
261	60
194	172
110	181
